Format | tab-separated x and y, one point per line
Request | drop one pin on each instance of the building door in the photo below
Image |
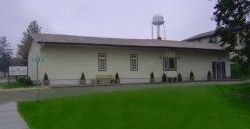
218	69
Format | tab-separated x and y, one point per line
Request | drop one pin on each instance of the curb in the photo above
23	89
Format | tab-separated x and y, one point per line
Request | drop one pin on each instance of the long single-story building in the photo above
66	57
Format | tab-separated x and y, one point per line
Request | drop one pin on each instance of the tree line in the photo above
21	59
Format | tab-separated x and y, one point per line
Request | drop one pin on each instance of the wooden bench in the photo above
105	79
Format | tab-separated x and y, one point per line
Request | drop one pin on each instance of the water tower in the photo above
159	22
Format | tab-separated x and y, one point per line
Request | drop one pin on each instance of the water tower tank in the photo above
158	20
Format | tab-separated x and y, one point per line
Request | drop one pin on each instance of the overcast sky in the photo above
106	18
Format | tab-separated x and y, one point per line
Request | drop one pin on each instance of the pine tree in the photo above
164	78
232	27
23	48
179	78
117	78
82	79
5	55
191	76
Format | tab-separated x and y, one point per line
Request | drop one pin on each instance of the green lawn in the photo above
194	107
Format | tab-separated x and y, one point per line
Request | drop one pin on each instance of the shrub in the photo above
174	79
22	81
29	81
209	76
45	79
152	77
236	71
117	78
170	79
191	77
164	78
179	78
82	79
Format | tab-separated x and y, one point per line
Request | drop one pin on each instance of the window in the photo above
133	62
169	64
219	70
165	63
102	64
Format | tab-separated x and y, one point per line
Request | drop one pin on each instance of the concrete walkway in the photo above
10	118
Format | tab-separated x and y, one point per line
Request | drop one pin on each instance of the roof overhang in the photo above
91	44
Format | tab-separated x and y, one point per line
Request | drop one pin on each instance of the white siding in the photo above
65	63
200	62
33	52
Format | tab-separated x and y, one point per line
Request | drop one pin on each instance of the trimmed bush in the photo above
117	78
209	76
152	77
170	79
164	78
179	78
45	79
174	79
82	79
191	77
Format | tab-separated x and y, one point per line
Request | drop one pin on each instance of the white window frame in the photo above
102	62
133	59
166	64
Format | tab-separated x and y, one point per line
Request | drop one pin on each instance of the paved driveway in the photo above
45	93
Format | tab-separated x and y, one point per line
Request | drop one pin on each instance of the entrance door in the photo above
219	72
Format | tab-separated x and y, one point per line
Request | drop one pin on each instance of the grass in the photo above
194	107
6	85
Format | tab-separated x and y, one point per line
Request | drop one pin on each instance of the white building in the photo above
66	57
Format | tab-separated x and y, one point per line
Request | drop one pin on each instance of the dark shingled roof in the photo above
202	35
83	40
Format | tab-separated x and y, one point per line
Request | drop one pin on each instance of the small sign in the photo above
37	59
18	70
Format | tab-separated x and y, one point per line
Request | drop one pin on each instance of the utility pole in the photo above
37	94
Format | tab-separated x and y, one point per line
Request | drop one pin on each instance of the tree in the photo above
152	77
23	48
82	79
191	76
164	78
234	29
5	55
179	78
117	78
